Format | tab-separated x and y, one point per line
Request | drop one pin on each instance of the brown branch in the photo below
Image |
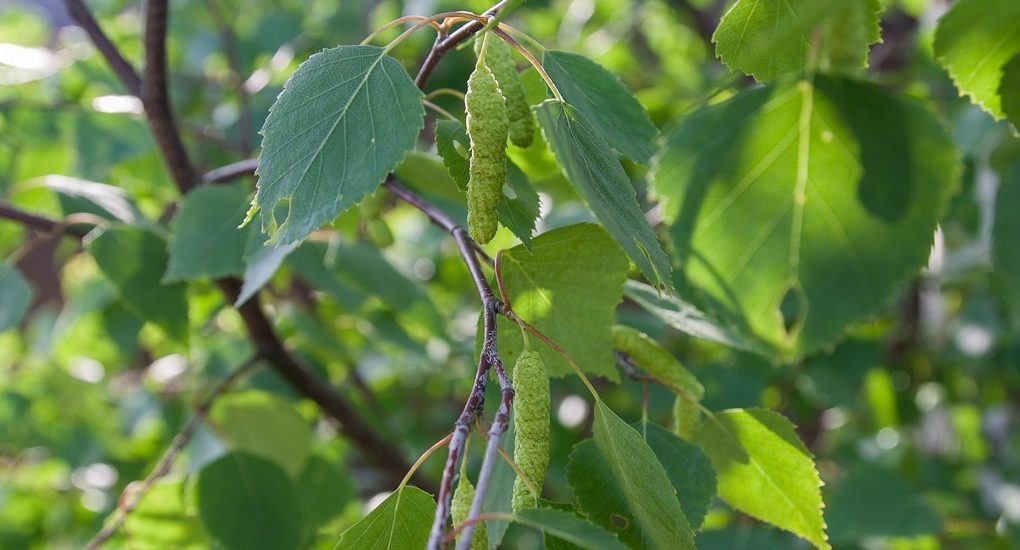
134	491
40	223
125	72
155	97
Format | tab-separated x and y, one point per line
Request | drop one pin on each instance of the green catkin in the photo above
500	61
686	417
655	359
487	128
460	507
531	426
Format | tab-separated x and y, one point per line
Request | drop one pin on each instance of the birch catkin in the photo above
518	111
460	507
531	427
487	128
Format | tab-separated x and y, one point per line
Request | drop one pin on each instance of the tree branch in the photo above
134	491
125	72
40	223
231	172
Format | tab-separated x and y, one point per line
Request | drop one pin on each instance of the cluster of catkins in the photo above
496	109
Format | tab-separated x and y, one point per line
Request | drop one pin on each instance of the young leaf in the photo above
874	502
800	194
248	502
134	260
15	296
767	39
765	471
646	487
204	238
686	318
263	425
343	121
567	286
518	206
604	101
974	41
402	521
602	499
593	169
568	527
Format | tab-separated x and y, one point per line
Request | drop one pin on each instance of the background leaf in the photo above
604	101
134	261
400	522
567	286
974	40
248	502
593	169
1006	248
800	194
263	425
343	121
15	296
568	527
204	238
874	502
765	471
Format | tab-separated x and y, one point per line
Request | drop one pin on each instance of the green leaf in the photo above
163	519
602	499
604	101
798	208
15	296
568	287
247	502
400	522
260	263
686	318
1009	91
263	425
593	169
204	238
78	195
874	502
1005	246
518	206
765	471
646	487
974	41
568	527
767	39
343	121
134	261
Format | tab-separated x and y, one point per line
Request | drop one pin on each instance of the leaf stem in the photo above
531	59
399	21
424	456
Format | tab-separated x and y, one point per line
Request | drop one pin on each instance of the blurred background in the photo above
913	417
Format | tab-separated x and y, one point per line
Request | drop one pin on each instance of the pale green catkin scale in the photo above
686	417
655	359
531	426
487	128
500	61
460	507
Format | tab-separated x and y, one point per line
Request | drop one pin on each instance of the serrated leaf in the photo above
401	522
248	502
590	165
568	286
518	206
644	483
602	499
134	261
686	318
974	40
263	425
343	121
809	193
767	39
874	502
604	101
15	296
204	238
765	471
570	528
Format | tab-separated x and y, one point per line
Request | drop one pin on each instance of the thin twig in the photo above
231	172
125	71
134	491
39	222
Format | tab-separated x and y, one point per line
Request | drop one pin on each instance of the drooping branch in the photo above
134	491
